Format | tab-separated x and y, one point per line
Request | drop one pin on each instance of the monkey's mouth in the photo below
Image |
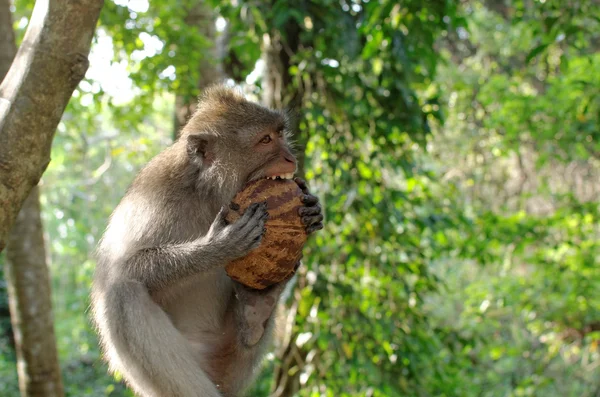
274	175
289	175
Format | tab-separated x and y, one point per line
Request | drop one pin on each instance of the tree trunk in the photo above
27	275
203	18
7	54
48	66
31	304
7	38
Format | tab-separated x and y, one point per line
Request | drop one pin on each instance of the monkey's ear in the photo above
200	146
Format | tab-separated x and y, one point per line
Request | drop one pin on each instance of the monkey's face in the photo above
240	140
268	154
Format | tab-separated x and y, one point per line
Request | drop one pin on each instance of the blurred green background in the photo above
454	145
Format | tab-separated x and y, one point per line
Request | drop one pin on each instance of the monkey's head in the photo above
232	141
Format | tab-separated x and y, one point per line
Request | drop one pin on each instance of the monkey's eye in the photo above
266	139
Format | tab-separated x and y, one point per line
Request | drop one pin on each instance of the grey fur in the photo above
170	320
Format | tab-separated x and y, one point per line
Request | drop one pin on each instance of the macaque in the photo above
169	318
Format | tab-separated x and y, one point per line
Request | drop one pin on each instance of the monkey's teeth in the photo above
282	176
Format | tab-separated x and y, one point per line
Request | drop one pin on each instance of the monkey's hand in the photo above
311	213
239	238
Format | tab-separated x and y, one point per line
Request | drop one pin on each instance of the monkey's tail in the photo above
141	343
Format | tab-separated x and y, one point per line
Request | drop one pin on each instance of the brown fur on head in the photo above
232	141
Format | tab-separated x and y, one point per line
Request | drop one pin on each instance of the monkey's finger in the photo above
314	210
301	184
249	238
314	227
245	223
310	220
260	216
250	211
265	213
258	209
254	229
256	222
256	242
309	200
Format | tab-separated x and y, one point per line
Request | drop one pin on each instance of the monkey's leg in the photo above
143	345
254	310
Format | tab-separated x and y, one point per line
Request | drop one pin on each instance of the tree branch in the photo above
48	66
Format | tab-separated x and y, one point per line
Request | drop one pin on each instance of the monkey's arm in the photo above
159	266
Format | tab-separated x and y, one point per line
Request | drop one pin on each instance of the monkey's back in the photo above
161	207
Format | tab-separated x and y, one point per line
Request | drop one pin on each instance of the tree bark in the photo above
31	304
27	275
48	66
7	38
8	50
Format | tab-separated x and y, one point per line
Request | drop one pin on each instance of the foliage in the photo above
455	148
520	139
